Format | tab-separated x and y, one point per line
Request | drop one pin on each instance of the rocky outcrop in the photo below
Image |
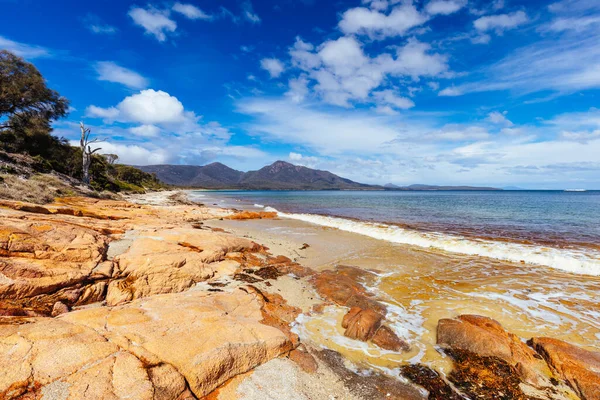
486	337
580	368
365	319
157	346
45	262
168	261
489	363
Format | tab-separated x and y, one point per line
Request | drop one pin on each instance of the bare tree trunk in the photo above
87	152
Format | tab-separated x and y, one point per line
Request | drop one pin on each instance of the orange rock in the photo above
342	288
361	324
304	359
148	349
387	339
168	261
252	215
487	338
580	368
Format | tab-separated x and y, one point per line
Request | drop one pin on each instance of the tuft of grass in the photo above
41	188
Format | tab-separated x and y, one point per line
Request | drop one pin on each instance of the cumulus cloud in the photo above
190	11
23	50
377	24
444	7
500	22
154	21
273	66
147	107
112	72
344	73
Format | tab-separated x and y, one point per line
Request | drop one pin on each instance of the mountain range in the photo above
280	175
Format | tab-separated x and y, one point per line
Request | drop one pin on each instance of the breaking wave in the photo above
585	262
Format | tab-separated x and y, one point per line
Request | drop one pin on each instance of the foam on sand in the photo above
585	262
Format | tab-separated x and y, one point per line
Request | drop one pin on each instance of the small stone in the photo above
59	308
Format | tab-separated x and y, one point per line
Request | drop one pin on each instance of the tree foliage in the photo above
24	96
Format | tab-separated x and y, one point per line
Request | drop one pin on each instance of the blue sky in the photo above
435	91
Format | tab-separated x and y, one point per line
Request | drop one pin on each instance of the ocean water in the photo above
551	228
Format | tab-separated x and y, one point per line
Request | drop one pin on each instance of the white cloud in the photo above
145	130
151	107
378	25
154	127
573	15
134	154
249	14
23	50
103	29
389	98
306	161
444	7
415	60
109	114
298	89
190	11
147	107
96	25
326	132
380	5
273	66
574	6
303	55
458	133
344	73
563	65
451	91
112	72
499	118
412	147
580	136
500	22
155	22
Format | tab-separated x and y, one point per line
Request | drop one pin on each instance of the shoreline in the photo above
293	285
584	259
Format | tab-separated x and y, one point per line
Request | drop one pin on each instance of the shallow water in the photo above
421	284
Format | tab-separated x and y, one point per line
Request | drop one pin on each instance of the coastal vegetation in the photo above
28	107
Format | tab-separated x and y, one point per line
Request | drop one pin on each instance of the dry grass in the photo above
39	188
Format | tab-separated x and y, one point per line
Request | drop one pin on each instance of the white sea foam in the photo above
585	262
259	206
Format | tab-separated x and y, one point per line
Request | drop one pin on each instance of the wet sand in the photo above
420	286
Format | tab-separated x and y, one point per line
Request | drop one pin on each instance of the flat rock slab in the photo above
163	344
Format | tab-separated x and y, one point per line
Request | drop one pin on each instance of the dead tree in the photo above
87	151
